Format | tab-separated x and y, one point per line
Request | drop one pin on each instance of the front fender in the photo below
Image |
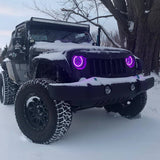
44	64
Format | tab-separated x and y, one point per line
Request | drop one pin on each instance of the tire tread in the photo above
63	110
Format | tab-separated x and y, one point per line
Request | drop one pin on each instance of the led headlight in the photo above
79	62
130	62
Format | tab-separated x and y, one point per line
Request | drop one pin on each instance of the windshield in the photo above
63	36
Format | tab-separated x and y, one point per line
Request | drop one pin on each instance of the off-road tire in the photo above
8	93
59	114
131	110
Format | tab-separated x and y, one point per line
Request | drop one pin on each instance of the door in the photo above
17	64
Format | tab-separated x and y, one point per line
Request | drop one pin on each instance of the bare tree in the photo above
139	25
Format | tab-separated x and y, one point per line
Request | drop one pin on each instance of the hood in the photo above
58	49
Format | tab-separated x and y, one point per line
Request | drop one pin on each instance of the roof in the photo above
43	20
50	21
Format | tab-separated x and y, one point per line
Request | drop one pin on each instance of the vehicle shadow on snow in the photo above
95	126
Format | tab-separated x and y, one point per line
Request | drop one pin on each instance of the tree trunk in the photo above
145	45
144	41
139	22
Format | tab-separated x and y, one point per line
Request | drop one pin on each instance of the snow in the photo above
59	46
6	60
57	50
131	26
1	69
97	81
147	11
94	135
52	56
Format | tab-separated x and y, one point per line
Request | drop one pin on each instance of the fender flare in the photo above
36	63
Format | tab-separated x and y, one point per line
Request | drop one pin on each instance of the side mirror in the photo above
17	40
17	43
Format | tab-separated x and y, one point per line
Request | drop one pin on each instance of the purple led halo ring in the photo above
79	62
130	62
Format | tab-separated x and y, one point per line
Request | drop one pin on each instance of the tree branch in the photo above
95	24
44	11
97	11
77	5
121	18
107	16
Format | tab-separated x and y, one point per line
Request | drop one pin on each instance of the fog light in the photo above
133	87
108	90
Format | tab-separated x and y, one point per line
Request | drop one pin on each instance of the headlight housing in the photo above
130	61
79	62
139	65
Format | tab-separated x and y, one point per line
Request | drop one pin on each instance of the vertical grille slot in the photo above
108	66
103	65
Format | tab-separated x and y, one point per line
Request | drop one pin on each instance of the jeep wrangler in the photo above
54	68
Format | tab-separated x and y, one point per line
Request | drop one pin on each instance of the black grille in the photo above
107	67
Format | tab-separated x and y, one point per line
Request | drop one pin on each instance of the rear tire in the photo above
130	108
40	118
8	89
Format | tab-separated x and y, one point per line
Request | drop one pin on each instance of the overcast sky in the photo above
13	12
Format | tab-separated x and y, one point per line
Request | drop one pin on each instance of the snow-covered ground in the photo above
94	135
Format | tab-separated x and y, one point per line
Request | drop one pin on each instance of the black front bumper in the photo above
84	94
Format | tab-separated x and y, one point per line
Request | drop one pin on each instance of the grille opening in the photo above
107	67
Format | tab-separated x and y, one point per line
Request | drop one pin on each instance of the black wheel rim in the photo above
36	113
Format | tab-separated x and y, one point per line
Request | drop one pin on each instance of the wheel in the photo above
40	118
130	108
8	89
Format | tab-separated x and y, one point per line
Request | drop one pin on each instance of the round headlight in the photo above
130	62
79	62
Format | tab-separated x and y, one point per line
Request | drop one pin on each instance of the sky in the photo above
13	12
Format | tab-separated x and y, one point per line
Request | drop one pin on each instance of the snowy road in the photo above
94	135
